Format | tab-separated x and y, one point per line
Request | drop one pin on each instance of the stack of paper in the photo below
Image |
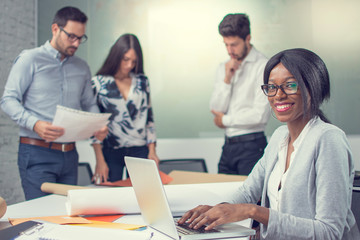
95	221
78	125
65	232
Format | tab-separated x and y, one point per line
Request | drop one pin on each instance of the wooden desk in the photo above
179	177
186	177
54	204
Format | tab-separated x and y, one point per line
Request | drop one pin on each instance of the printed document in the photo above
78	125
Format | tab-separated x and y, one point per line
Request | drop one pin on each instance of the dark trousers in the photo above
115	159
39	164
241	153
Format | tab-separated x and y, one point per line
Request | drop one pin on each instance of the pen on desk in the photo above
151	235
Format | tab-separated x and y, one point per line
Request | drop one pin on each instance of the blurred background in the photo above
182	49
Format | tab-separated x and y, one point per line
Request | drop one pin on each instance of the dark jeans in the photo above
240	157
115	159
38	165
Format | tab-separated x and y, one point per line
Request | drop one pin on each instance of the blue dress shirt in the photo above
39	80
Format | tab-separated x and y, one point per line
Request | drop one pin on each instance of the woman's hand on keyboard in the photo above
217	215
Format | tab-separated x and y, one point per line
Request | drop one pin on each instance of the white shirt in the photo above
245	106
278	176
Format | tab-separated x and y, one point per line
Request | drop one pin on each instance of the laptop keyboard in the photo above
184	229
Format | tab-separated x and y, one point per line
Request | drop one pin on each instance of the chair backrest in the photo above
357	179
84	174
355	206
355	203
186	164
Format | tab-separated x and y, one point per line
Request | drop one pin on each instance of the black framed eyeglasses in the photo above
288	88
72	37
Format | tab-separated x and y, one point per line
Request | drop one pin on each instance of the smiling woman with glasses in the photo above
304	179
288	88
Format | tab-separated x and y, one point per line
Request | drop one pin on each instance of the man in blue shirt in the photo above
40	79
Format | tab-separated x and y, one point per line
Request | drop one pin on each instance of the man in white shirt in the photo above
237	102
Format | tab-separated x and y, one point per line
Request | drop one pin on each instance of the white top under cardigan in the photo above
278	176
316	198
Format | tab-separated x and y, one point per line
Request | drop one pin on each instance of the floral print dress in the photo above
131	123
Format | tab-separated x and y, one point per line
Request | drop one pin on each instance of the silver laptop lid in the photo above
154	205
150	195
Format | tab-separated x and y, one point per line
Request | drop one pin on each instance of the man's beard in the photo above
243	54
65	51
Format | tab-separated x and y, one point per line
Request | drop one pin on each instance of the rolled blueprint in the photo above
58	188
3	207
113	200
122	200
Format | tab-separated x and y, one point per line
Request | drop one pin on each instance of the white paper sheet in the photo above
78	125
64	232
116	200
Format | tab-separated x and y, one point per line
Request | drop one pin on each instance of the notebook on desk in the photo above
155	208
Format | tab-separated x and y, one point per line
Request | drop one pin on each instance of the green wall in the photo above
182	49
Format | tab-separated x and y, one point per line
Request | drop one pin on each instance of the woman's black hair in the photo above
123	44
310	72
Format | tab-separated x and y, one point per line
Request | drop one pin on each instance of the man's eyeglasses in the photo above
72	37
288	88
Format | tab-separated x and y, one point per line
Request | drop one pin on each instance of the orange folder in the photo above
166	179
53	219
105	218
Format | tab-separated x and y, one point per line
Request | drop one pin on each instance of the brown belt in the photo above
64	147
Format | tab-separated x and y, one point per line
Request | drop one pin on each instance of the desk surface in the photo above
53	205
187	177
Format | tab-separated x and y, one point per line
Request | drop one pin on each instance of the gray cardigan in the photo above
316	197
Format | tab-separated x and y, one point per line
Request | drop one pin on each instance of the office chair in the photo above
355	203
357	179
84	174
186	164
355	206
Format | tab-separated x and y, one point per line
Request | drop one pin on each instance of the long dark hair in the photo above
123	44
311	74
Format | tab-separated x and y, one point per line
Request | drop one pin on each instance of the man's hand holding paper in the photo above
47	131
80	125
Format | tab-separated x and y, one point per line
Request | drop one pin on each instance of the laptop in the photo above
155	208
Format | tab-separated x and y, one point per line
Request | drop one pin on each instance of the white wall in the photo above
17	32
182	49
207	148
